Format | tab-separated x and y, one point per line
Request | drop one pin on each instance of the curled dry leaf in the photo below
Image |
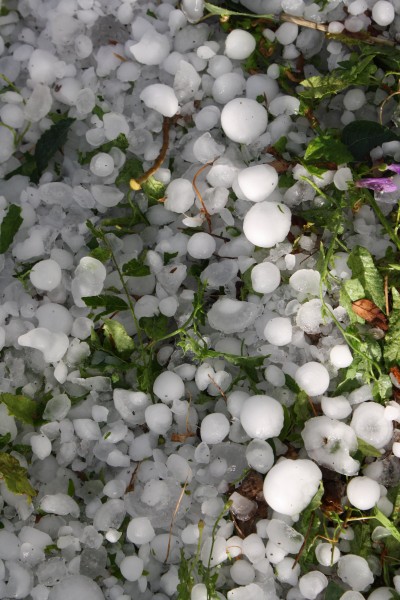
369	311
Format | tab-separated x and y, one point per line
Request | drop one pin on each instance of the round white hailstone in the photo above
102	164
158	418
313	378
291	484
278	331
180	196
284	536
12	115
336	408
327	554
106	195
131	567
161	98
354	99
260	456
355	571
207	118
168	306
381	593
52	345
41	446
340	356
243	120
265	278
201	245
76	586
242	572
235	402
312	584
287	33
306	281
239	44
214	428
262	417
275	376
363	492
230	316
152	48
253	548
55	317
46	275
370	425
258	182
199	592
227	86
383	13
42	67
267	224
169	386
287	571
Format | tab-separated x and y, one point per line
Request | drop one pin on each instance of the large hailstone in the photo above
244	120
230	316
161	98
329	443
258	182
262	417
370	424
291	484
76	586
267	224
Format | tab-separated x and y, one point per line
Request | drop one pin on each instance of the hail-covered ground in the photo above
171	339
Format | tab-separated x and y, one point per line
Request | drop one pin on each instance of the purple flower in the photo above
395	168
379	184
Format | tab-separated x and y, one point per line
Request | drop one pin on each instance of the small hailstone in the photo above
59	504
152	48
140	531
242	572
312	583
340	356
46	275
306	281
265	277
161	98
354	99
243	120
54	317
214	428
313	378
169	386
239	44
106	195
337	407
52	345
262	417
267	224
327	554
260	456
180	196
363	492
102	164
281	534
41	446
355	571
258	182
278	331
76	586
383	13
287	33
131	567
230	316
370	425
287	571
39	103
201	245
291	484
158	418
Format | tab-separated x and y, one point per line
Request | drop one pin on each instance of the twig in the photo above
383	104
136	184
386	290
219	388
131	485
300	552
196	189
174	517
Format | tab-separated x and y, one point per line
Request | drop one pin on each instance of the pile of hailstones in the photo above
58	57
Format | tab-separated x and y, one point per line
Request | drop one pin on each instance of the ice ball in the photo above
243	120
46	275
313	378
214	428
258	182
265	277
239	44
363	492
262	417
267	224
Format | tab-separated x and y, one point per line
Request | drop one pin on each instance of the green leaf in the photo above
153	189
135	268
116	333
51	141
15	476
391	349
102	254
327	147
382	388
9	227
383	520
333	591
302	408
71	488
319	86
217	10
351	291
132	169
361	137
22	408
111	303
363	268
169	256
395	516
368	450
5	439
154	327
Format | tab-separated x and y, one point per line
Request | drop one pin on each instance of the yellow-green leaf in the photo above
383	520
118	336
15	476
368	450
25	409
